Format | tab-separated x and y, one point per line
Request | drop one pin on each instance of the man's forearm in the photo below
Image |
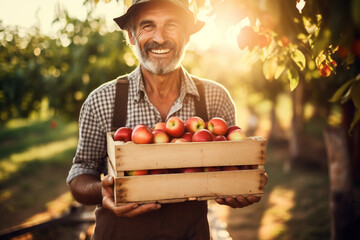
86	189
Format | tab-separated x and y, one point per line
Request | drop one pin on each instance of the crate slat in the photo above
188	186
130	156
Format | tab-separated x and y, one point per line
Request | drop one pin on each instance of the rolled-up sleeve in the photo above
90	157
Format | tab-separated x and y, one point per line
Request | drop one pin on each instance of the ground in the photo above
35	158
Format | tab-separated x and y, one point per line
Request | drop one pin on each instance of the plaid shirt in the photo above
97	111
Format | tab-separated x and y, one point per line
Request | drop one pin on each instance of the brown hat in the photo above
195	25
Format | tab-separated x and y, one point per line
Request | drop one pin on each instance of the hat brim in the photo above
122	21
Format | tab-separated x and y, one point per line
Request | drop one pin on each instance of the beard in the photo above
160	66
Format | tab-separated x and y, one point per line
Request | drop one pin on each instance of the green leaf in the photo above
354	121
279	70
355	12
340	92
355	94
299	59
293	76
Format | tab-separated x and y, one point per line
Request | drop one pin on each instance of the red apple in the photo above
232	128
191	170
187	136
123	134
178	140
175	127
324	70
217	126
137	172
237	134
160	136
158	171
194	124
203	135
142	135
230	168
160	125
220	138
211	169
245	167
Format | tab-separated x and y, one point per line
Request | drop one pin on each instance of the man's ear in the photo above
130	36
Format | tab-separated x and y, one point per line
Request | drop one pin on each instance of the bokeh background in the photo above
293	75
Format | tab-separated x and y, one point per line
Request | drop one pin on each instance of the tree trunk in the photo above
297	124
341	199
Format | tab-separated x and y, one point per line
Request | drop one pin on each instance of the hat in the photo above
195	25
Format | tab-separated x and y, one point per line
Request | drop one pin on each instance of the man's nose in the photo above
159	36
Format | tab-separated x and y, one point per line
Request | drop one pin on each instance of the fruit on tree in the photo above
324	70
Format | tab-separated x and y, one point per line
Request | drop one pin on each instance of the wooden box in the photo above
176	187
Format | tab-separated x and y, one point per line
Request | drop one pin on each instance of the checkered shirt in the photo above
97	112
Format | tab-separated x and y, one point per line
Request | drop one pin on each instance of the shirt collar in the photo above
187	84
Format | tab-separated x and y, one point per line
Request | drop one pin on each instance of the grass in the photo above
34	161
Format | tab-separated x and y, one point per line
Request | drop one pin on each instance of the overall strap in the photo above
120	106
121	98
200	106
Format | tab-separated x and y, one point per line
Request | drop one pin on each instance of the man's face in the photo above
159	37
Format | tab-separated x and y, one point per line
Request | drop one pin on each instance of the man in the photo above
159	88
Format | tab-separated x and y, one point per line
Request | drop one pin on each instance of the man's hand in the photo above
238	202
241	201
126	210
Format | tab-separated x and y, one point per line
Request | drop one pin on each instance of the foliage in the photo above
64	69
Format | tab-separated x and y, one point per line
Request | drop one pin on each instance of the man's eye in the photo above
172	26
147	27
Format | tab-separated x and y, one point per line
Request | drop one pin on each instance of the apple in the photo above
203	135
178	140
211	169
123	134
191	170
137	172
232	128
324	70
343	51
160	136
188	136
175	127
160	125
245	167
219	138
230	168
217	126
236	134
142	135
194	124
158	171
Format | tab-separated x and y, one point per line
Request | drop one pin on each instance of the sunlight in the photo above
12	164
54	209
273	222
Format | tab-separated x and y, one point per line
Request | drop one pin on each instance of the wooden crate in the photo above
164	188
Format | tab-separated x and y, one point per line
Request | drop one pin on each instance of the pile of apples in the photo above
175	130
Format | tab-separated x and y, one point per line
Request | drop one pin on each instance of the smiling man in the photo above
158	31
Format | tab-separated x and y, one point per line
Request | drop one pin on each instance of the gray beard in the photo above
159	67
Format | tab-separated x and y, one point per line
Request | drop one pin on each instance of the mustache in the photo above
155	45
